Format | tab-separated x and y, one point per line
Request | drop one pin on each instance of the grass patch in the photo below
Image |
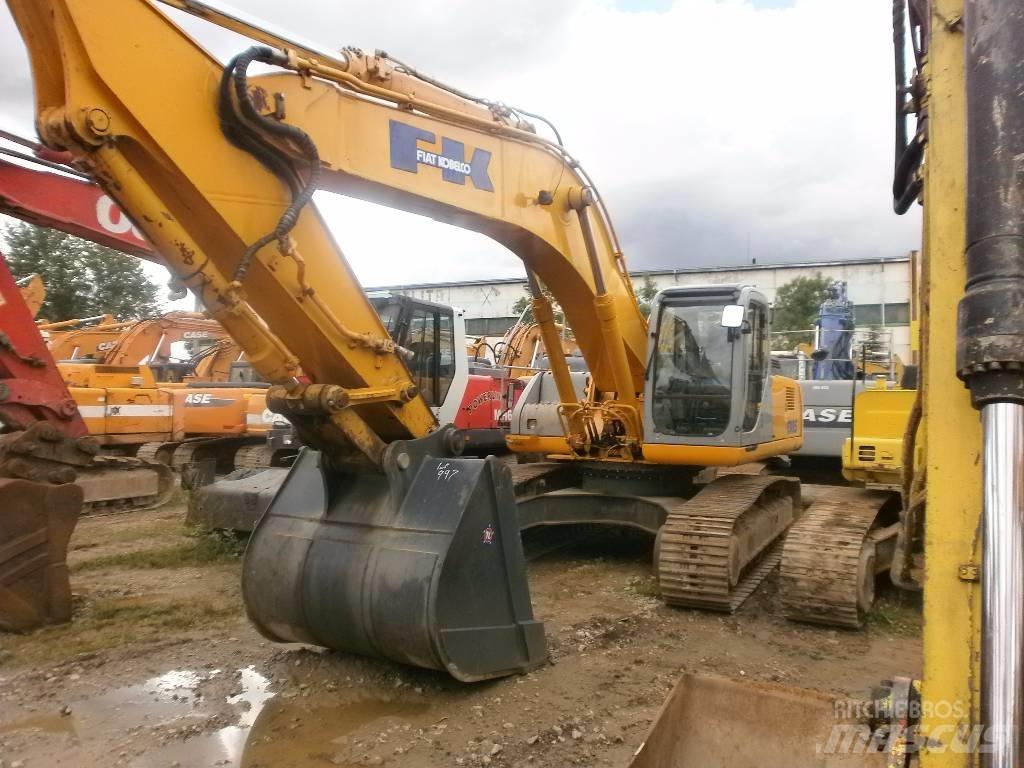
100	535
200	548
646	586
115	622
895	614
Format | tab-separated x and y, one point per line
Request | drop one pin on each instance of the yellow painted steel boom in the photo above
202	201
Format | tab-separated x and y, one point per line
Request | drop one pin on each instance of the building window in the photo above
882	314
489	326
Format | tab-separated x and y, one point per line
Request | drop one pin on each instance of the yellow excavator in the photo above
961	537
382	539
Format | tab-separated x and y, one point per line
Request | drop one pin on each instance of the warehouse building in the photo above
879	288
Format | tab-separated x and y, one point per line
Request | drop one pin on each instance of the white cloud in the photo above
716	131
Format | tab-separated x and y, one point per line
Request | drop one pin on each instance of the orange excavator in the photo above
33	291
81	339
135	397
50	470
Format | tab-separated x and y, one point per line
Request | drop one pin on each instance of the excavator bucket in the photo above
717	722
422	564
36	521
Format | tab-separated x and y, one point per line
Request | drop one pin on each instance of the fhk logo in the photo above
408	155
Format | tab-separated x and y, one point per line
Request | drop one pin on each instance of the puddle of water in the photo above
269	730
158	700
255	693
44	723
287	732
285	735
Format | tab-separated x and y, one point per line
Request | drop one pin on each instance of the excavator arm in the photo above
382	540
149	341
222	190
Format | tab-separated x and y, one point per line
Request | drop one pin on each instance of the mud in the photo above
173	675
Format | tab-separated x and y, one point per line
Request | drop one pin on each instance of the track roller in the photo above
159	452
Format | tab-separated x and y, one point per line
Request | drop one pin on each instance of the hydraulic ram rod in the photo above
990	352
1002	581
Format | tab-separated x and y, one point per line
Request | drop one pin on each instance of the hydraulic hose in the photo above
906	183
246	123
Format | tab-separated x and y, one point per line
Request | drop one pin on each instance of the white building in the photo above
879	288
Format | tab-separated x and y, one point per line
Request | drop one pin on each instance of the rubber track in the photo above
693	563
821	561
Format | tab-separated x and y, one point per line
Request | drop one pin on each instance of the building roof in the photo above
641	273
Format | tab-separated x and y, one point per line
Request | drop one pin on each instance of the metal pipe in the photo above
156	351
545	318
1002	664
604	306
588	241
247	25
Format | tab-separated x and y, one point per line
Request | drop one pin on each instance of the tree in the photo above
524	304
796	307
645	293
82	279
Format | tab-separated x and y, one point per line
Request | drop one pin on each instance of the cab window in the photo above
431	347
757	335
692	371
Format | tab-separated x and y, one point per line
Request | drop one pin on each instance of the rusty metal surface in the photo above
717	722
36	521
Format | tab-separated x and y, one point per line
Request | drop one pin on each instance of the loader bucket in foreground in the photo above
717	722
36	521
422	565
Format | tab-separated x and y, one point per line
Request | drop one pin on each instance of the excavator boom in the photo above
522	191
71	204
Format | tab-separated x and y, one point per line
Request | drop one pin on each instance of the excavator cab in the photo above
427	335
709	388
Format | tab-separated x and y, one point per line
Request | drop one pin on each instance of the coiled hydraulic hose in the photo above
246	127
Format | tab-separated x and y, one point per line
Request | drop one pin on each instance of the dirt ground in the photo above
160	667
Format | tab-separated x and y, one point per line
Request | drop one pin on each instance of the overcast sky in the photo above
719	131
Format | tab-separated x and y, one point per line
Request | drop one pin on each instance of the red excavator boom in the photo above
66	201
31	387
